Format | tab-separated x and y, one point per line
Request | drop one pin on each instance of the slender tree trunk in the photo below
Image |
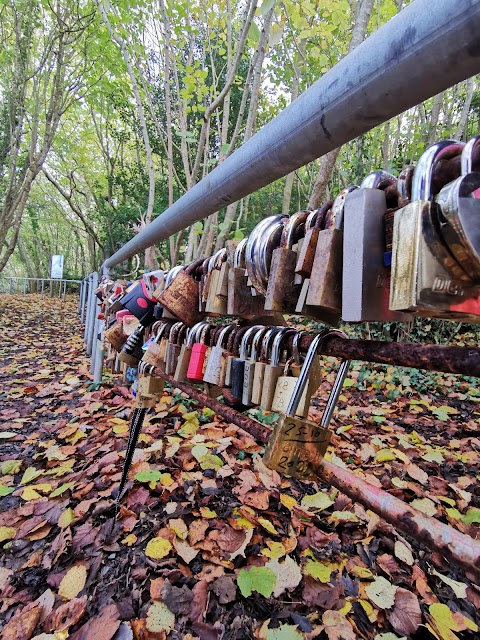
434	116
462	129
327	162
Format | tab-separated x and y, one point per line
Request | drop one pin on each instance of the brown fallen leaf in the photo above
23	623
102	627
225	589
406	615
337	627
68	614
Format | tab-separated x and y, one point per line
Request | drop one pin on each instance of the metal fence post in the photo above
88	313
83	300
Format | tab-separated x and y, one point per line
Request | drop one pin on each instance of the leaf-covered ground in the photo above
209	543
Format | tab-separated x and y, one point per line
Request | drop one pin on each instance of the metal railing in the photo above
54	287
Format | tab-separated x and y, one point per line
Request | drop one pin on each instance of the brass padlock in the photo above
260	366
170	348
297	446
426	279
215	304
325	287
282	291
149	391
180	297
273	369
116	336
152	347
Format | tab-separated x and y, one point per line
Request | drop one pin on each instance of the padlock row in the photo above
250	365
388	250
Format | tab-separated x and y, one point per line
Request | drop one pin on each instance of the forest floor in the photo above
209	543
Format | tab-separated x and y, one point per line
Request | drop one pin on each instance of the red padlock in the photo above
197	359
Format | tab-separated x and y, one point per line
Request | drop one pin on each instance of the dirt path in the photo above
209	543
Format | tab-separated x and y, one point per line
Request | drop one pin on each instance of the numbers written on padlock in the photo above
296	446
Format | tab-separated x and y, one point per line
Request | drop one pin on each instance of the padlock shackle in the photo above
239	255
290	227
404	185
422	188
321	215
172	273
276	353
471	156
255	349
338	207
334	393
261	242
193	266
222	335
305	371
244	344
192	335
267	342
378	180
296	346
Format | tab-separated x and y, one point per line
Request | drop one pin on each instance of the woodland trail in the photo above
209	543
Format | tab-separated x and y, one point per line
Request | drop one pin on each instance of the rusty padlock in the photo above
181	296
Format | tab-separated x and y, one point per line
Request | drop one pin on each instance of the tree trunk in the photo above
327	162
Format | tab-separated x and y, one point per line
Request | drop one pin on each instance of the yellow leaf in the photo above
318	571
369	610
120	429
343	516
30	494
344	428
425	505
382	593
363	573
160	618
266	524
44	488
7	533
347	607
73	582
158	548
207	513
145	438
385	455
274	550
30	474
74	438
130	540
317	502
288	501
166	480
66	518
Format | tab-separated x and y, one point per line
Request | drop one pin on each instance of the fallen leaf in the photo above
382	593
403	553
458	588
258	579
7	533
73	582
158	548
288	574
337	627
160	618
406	615
317	501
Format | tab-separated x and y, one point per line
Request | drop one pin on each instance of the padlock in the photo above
282	292
197	359
426	279
169	276
366	279
131	352
458	212
260	365
186	351
297	446
152	347
153	280
180	297
116	336
313	227
325	287
238	364
240	301
261	243
233	347
273	369
149	391
215	368
139	302
249	368
170	348
215	304
176	349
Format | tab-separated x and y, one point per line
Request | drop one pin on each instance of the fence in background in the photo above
54	287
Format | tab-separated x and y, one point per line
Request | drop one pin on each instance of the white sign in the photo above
56	267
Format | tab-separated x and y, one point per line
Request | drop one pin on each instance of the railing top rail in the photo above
417	54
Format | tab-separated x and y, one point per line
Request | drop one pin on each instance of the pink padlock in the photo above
197	359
